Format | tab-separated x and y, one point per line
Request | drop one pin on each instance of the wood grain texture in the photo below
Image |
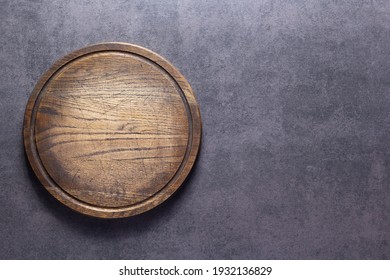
112	130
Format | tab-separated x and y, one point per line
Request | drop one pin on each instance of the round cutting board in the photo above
112	130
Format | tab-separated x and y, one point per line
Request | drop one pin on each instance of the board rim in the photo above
101	211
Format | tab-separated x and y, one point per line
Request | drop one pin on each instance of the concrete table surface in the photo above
295	101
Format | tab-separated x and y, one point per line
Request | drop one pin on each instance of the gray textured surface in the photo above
295	103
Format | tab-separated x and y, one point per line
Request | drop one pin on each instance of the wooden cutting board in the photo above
112	130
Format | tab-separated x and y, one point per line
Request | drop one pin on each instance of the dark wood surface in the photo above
112	130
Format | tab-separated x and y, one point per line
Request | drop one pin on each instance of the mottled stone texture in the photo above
295	100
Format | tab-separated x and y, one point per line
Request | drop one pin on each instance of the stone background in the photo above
295	102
